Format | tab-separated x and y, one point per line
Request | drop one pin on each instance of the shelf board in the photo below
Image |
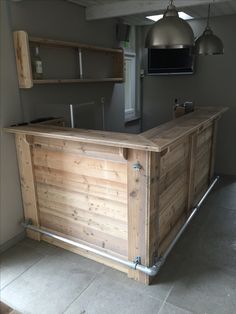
64	81
23	60
68	44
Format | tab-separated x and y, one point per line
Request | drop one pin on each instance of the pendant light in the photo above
170	32
208	43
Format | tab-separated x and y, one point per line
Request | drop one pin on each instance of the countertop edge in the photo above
143	141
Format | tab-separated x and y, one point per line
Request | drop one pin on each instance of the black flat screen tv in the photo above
170	61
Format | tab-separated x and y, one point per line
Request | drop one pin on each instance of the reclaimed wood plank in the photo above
204	136
191	171
23	61
85	149
171	235
61	43
169	195
80	165
153	209
213	150
108	190
83	232
143	205
172	174
176	152
28	190
137	210
99	221
172	213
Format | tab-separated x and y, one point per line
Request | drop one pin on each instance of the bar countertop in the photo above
156	139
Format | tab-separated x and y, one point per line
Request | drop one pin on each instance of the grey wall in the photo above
10	106
65	21
59	20
213	84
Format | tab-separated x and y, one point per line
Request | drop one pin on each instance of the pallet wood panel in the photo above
85	149
176	152
110	225
173	174
169	195
69	227
81	193
96	205
108	190
128	199
171	235
202	167
204	136
172	213
84	166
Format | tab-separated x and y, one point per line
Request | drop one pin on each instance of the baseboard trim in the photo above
5	246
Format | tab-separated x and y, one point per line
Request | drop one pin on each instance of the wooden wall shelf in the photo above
66	81
22	44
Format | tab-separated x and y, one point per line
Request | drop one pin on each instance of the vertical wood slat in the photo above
153	188
213	149
191	171
142	210
27	182
136	210
23	61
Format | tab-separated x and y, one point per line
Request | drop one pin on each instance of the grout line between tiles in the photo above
36	262
78	296
185	309
164	302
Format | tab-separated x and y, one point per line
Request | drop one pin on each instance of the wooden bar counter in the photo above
124	194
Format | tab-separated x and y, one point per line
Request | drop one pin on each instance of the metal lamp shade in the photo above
170	32
209	44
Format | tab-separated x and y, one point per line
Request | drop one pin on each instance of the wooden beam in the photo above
23	61
143	212
191	171
28	189
130	7
213	150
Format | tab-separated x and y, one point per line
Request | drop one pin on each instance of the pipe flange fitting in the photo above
137	166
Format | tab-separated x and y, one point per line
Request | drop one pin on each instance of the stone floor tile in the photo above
106	295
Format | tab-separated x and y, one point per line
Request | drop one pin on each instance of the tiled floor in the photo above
198	277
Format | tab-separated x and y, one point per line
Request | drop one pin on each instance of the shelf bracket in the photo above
80	64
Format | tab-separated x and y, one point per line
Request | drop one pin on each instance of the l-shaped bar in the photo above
126	196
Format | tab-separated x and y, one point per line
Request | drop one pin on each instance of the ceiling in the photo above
134	11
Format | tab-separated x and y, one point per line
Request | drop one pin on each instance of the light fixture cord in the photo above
208	16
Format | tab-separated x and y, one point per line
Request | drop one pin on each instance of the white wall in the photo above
213	84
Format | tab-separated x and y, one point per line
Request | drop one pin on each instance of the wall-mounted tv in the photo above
170	61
